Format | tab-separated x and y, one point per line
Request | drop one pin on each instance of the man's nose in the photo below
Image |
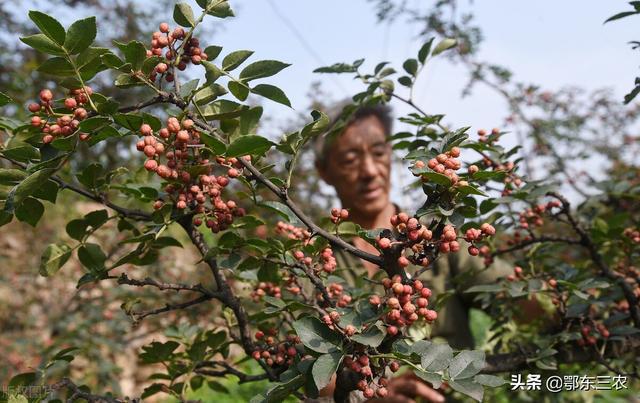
368	169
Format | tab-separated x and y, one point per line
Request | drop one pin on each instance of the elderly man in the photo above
357	163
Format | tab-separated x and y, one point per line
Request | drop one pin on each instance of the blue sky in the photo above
550	43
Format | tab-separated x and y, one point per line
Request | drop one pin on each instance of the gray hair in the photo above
343	115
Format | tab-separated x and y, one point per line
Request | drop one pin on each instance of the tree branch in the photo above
91	398
586	242
315	280
524	244
139	315
228	370
148	281
511	362
226	295
129	213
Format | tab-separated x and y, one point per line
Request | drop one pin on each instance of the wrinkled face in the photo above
359	165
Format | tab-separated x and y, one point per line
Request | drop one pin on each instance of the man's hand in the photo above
406	388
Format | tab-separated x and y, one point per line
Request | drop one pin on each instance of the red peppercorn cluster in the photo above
338	215
54	125
336	291
326	262
483	136
361	364
588	334
292	232
532	217
445	163
419	239
633	234
474	235
517	273
265	288
406	304
190	175
275	353
511	179
173	41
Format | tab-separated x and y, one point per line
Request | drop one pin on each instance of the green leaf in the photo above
444	44
58	66
315	335
30	211
42	43
411	66
97	218
152	390
239	90
325	366
94	123
283	210
436	357
249	145
468	387
489	380
125	80
235	59
53	258
183	15
92	257
212	52
5	99
434	379
149	63
621	15
80	35
26	188
48	191
130	121
435	177
338	68
217	146
77	228
134	53
10	177
212	72
262	69
469	189
423	53
221	10
223	109
209	93
272	92
165	241
48	26
158	352
485	288
187	88
466	364
112	61
23	379
405	80
371	337
89	175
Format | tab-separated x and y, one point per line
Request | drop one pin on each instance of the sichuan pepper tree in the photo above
205	171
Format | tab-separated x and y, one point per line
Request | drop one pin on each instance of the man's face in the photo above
359	165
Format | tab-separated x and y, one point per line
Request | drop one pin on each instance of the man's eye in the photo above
380	153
